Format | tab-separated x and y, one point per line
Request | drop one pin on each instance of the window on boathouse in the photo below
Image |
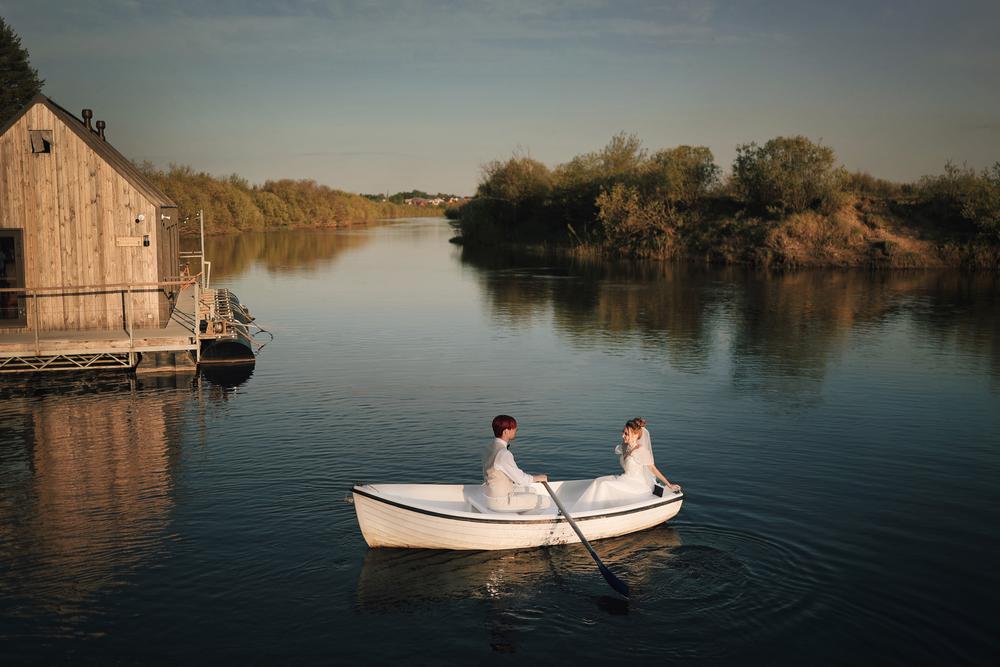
41	141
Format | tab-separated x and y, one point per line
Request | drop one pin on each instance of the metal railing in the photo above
206	266
127	291
200	281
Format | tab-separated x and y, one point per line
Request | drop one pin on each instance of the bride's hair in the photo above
634	425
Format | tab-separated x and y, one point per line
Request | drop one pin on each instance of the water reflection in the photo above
964	309
506	582
87	477
776	332
278	251
87	469
227	376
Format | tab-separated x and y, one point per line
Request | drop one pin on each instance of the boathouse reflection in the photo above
87	472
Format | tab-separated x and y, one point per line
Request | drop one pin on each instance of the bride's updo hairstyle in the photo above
635	425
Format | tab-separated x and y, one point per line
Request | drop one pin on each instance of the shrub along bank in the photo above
232	204
784	203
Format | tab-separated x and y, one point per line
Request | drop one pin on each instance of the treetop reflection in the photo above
776	332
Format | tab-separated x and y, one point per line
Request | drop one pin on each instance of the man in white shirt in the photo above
503	482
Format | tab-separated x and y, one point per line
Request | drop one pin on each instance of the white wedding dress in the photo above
634	484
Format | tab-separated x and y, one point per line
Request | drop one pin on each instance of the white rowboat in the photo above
455	516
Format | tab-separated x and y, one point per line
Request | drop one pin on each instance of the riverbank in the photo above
785	204
862	234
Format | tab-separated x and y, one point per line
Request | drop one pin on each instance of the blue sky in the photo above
371	96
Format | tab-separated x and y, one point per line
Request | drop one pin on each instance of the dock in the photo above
196	323
172	347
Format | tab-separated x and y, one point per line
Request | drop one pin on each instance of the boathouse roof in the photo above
99	145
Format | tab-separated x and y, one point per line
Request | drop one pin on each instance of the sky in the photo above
392	96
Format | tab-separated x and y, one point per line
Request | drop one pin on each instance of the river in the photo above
837	435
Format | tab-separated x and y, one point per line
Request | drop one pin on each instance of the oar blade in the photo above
620	586
609	577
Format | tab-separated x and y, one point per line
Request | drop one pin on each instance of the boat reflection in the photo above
396	578
507	582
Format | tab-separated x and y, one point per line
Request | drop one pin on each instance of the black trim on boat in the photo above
441	515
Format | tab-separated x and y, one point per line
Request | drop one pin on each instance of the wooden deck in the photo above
177	336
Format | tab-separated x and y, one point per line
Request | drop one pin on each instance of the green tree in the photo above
635	224
622	158
682	175
515	180
982	206
19	81
511	194
961	193
787	175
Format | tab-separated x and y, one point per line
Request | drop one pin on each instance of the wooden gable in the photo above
87	217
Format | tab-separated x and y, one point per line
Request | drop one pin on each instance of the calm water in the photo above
838	435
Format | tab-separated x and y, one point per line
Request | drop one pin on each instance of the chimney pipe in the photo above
100	129
87	115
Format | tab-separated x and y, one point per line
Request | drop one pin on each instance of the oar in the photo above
608	575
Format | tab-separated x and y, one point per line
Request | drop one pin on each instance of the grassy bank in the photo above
232	204
785	203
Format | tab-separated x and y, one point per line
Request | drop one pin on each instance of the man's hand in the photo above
541	477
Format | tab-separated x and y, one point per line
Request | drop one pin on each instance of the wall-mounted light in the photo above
139	218
145	240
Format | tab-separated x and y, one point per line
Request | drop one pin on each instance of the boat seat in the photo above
477	500
478	504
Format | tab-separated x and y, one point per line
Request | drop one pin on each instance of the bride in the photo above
636	482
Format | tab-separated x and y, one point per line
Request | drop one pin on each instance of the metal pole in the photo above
38	347
131	340
201	221
197	324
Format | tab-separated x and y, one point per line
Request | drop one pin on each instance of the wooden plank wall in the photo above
72	206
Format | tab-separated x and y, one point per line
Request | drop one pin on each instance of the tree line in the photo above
231	203
627	199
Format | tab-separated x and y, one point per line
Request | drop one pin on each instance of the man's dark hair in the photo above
501	423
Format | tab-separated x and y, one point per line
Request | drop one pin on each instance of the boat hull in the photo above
393	521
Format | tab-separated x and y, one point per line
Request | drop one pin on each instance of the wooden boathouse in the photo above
90	273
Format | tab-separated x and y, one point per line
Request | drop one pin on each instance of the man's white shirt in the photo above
504	462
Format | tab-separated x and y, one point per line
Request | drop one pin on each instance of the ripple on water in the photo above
712	581
709	579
